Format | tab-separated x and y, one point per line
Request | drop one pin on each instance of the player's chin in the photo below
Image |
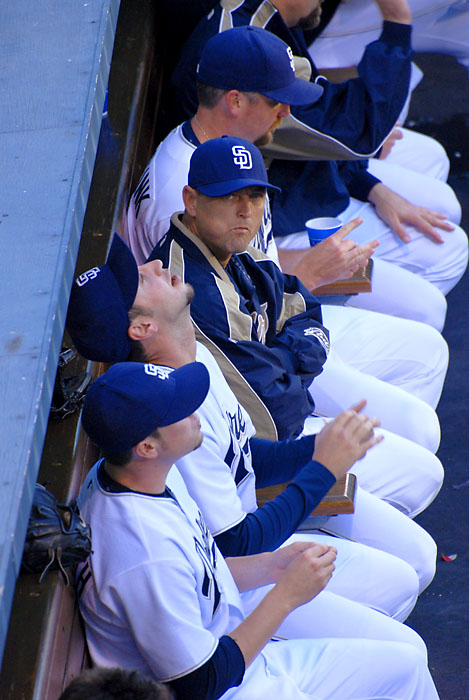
198	442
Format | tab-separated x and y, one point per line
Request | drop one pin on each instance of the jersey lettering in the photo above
207	552
261	323
239	449
83	577
142	191
87	276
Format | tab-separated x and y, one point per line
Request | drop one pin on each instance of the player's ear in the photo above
147	448
233	101
142	327
189	196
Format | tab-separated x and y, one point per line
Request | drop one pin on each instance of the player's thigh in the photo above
416	152
340	386
399	292
356	669
401	473
332	615
386	347
419	188
379	525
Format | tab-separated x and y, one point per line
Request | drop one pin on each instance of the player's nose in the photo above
284	111
155	267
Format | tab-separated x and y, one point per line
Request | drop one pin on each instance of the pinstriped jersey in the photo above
155	594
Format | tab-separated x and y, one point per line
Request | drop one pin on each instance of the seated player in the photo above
414	220
160	331
264	324
157	596
238	111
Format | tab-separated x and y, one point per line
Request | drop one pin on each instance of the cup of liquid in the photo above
320	228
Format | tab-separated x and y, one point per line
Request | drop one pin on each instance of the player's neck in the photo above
209	124
175	347
144	477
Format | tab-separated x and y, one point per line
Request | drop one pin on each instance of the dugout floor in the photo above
440	107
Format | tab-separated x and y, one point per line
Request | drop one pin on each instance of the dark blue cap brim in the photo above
299	92
218	189
123	265
192	385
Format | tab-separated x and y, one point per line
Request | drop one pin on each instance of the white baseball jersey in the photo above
219	474
155	594
159	194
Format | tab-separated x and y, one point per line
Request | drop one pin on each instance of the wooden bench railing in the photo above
45	646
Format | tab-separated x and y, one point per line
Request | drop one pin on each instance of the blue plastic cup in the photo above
322	227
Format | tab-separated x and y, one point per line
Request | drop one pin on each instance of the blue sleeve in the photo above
357	178
277	462
269	526
361	112
224	670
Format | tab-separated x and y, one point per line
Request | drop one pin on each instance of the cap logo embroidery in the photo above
87	276
290	56
242	157
159	372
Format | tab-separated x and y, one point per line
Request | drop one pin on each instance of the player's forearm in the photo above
395	11
252	571
260	626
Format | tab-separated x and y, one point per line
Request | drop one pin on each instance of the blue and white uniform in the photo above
265	330
358	114
157	596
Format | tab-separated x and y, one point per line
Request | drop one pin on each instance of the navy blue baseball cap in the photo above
251	59
224	165
100	300
129	401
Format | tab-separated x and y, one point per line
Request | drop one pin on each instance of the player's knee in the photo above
429	306
404	592
422	425
410	636
425	559
428	475
448	204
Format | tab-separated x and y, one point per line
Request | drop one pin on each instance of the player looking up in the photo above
157	596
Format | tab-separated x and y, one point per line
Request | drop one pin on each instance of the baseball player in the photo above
157	596
257	316
358	337
159	194
414	220
221	475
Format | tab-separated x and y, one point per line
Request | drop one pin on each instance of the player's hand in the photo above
307	574
333	259
346	439
395	135
395	11
397	211
281	558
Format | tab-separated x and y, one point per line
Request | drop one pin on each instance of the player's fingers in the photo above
368	444
357	407
347	228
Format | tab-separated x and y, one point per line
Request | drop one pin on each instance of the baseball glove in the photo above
57	536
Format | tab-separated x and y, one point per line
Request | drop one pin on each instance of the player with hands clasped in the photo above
157	596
